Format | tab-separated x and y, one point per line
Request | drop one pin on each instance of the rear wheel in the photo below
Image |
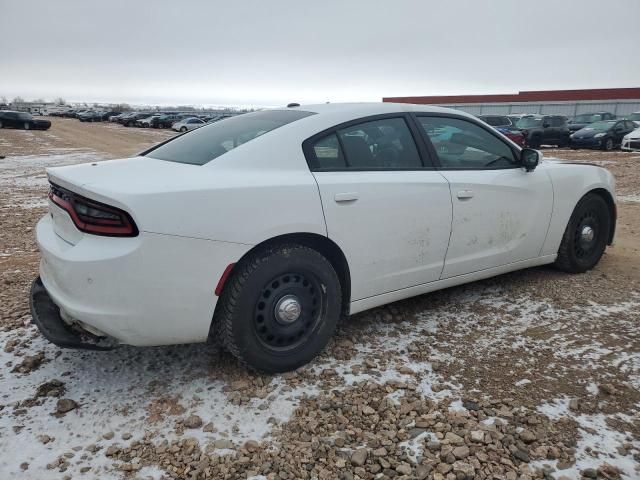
279	308
27	126
586	235
1	126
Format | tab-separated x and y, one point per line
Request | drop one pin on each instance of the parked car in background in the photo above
108	114
584	119
606	134
114	118
164	121
635	116
504	125
130	121
188	124
145	122
544	130
631	141
336	203
89	116
11	119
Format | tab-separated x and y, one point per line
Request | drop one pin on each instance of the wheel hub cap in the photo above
587	234
288	309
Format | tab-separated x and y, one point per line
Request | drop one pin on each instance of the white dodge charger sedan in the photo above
264	230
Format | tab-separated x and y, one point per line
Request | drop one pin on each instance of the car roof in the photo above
371	108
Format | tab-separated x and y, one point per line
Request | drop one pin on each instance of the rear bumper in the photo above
152	289
46	316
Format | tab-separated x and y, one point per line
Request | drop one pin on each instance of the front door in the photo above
501	213
388	212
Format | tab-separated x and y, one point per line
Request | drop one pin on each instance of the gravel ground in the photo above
535	374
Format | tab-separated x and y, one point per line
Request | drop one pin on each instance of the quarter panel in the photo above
571	182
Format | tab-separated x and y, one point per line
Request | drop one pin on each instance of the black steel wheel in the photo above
288	309
586	235
279	308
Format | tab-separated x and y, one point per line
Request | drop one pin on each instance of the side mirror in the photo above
529	159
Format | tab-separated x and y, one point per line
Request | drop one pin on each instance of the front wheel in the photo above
279	308
1	126
608	144
586	235
183	129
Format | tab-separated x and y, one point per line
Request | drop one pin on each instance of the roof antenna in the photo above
293	105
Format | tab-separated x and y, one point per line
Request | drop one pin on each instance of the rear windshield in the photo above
210	141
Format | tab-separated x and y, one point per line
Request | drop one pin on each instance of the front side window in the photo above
203	144
461	144
375	145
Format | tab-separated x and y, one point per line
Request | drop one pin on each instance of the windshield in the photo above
214	139
599	126
529	122
497	121
587	118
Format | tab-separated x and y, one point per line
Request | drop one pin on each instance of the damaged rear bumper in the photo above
46	316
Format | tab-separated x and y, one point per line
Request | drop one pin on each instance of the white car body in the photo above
631	141
402	233
188	124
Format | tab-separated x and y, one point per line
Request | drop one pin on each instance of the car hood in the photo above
587	132
634	134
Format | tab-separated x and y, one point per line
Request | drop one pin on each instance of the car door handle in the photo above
346	197
465	194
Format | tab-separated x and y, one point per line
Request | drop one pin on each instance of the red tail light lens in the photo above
93	217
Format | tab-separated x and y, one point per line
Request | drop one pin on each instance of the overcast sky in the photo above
271	52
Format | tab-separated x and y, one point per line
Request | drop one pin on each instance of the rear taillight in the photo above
93	217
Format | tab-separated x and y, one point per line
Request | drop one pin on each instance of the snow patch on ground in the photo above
598	442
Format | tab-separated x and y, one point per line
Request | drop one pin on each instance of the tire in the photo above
27	126
578	253
183	129
564	142
247	320
1	126
608	144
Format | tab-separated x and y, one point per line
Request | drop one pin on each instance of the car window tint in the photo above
461	144
202	145
557	122
380	144
328	153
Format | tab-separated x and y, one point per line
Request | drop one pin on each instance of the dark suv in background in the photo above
544	130
24	120
584	119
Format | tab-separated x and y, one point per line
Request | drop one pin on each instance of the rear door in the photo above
385	206
500	212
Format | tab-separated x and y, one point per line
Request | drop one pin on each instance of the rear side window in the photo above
557	122
202	145
375	145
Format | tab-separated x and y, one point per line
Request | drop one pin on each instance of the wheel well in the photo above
324	246
606	196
